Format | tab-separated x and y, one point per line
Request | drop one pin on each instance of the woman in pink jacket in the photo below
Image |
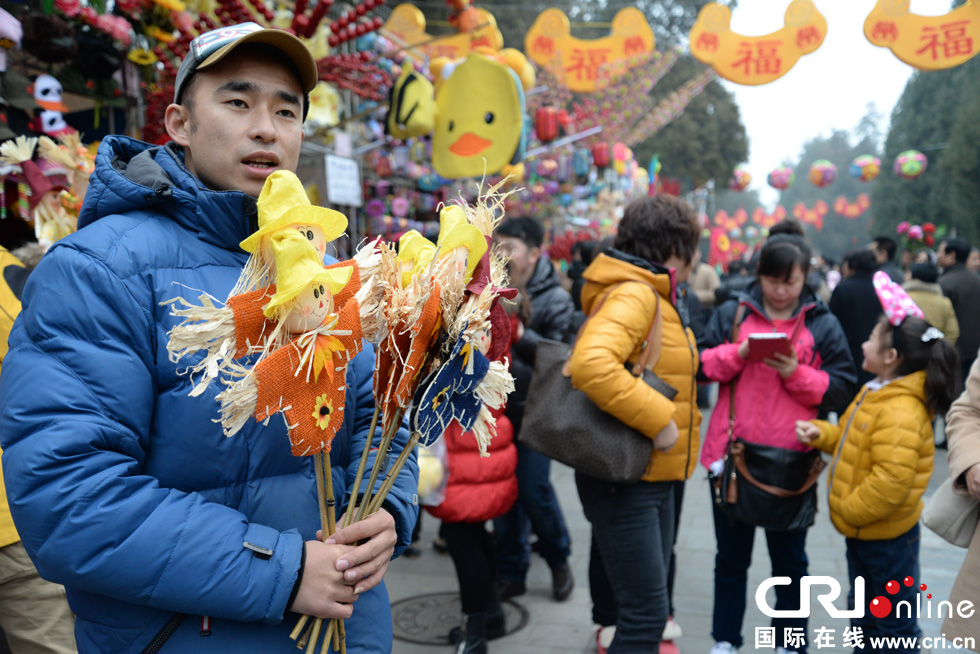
817	376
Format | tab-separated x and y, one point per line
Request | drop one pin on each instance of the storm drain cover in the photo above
428	619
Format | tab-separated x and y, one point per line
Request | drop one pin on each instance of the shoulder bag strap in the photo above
651	346
739	315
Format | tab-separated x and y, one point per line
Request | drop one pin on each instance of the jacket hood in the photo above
544	277
919	285
913	384
615	267
132	175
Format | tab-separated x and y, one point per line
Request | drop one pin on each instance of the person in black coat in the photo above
856	304
962	287
537	507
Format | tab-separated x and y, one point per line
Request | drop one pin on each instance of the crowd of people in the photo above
167	541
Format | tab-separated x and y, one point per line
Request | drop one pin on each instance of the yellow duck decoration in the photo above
754	60
925	42
585	66
479	112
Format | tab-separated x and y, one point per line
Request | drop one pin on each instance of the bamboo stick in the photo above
365	453
298	629
393	473
305	638
328	637
376	469
315	636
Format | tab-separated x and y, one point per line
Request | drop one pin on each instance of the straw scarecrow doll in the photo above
462	383
75	157
241	328
51	221
305	379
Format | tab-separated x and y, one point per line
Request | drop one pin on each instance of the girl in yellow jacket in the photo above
882	458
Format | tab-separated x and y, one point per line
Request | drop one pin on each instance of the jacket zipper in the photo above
168	630
843	437
694	401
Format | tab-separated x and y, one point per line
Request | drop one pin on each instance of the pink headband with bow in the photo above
894	300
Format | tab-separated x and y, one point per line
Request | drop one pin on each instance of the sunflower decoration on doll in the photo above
305	379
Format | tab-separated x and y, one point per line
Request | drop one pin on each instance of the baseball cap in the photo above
211	47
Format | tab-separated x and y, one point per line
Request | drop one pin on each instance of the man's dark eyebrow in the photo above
245	86
239	85
286	96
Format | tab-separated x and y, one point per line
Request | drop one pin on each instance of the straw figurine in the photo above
52	221
463	383
239	328
74	156
304	379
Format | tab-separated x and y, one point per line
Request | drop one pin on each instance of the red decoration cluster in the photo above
561	245
353	71
350	25
157	101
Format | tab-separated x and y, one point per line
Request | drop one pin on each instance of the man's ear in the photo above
178	122
534	254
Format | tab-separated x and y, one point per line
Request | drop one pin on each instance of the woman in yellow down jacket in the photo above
633	525
883	454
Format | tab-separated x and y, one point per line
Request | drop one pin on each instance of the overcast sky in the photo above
836	82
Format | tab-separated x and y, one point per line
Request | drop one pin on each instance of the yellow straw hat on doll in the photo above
298	265
414	249
455	232
283	202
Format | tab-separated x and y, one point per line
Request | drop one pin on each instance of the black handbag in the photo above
770	487
562	423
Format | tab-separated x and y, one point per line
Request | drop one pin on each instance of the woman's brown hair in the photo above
655	228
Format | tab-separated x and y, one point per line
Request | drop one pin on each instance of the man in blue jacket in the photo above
167	535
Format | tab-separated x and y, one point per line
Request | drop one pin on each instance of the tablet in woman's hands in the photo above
766	345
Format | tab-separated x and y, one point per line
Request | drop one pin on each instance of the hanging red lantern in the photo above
600	155
546	124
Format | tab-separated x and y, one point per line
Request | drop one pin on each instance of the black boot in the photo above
475	639
496	621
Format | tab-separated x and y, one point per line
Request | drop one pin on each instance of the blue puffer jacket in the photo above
124	488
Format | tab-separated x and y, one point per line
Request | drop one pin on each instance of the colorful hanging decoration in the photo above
767	220
781	178
852	210
407	26
812	216
585	66
910	164
822	173
925	42
723	250
546	126
733	222
865	168
670	108
917	236
740	179
754	60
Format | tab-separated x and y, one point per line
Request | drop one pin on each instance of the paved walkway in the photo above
567	627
